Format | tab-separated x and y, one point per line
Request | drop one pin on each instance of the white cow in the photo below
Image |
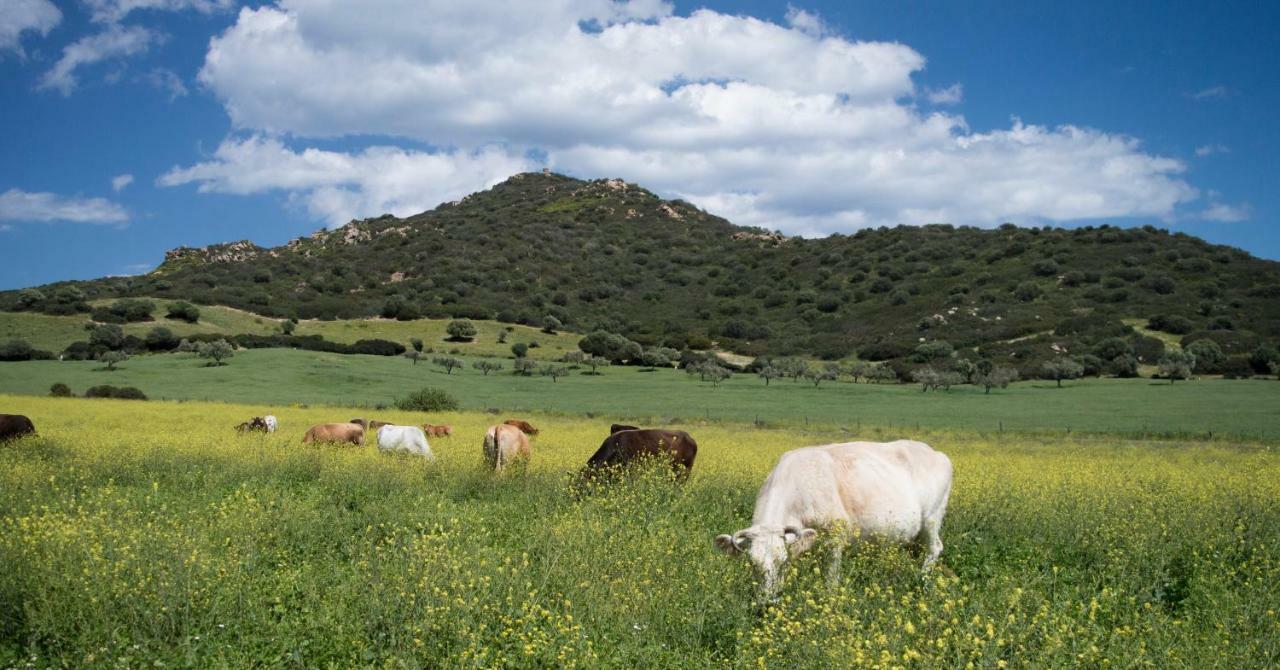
271	423
404	438
888	491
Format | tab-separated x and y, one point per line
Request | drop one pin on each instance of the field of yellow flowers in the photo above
150	534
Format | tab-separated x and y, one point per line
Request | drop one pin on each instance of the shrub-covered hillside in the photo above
609	255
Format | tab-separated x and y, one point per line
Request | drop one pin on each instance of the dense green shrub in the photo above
184	311
60	390
428	400
109	391
1177	325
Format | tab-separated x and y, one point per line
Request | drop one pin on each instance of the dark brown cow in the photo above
14	426
255	425
522	425
438	430
625	446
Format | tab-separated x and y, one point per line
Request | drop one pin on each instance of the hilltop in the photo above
609	255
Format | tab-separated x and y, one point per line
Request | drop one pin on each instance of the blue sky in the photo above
135	126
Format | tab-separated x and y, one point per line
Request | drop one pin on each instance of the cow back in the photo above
13	426
626	446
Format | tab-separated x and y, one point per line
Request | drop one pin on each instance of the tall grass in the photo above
137	533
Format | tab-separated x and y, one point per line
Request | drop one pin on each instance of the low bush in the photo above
118	392
60	390
428	400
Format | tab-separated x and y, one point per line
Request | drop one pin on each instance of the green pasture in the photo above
1246	409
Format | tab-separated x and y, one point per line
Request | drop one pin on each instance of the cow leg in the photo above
932	536
833	570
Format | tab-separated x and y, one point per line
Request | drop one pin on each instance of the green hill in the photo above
609	255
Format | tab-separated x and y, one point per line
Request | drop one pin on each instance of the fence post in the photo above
1002	425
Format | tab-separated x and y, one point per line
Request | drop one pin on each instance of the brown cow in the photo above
522	425
625	446
255	425
440	430
370	424
505	444
352	433
14	426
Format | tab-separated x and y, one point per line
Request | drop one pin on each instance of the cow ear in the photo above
726	544
799	540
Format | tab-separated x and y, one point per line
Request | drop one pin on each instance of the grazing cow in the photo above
14	426
439	430
888	491
629	444
522	425
271	422
370	424
618	427
504	444
352	433
255	425
404	438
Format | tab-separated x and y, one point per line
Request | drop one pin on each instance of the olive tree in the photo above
595	362
717	373
448	363
996	377
113	358
486	367
828	372
217	351
1062	368
553	371
523	367
769	373
1177	364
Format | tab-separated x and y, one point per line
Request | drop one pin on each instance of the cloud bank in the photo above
20	16
18	205
783	126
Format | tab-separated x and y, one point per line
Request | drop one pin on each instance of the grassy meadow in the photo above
54	333
1244	409
150	534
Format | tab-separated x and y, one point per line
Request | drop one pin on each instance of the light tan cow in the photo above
438	430
352	433
504	445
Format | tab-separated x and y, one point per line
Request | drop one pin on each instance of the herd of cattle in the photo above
894	492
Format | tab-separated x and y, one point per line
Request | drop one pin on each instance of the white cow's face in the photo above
768	547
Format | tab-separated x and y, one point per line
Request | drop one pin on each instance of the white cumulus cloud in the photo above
18	205
20	16
1211	149
116	41
337	187
783	126
951	95
113	11
1225	213
121	182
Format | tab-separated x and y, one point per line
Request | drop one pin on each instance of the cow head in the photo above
768	547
